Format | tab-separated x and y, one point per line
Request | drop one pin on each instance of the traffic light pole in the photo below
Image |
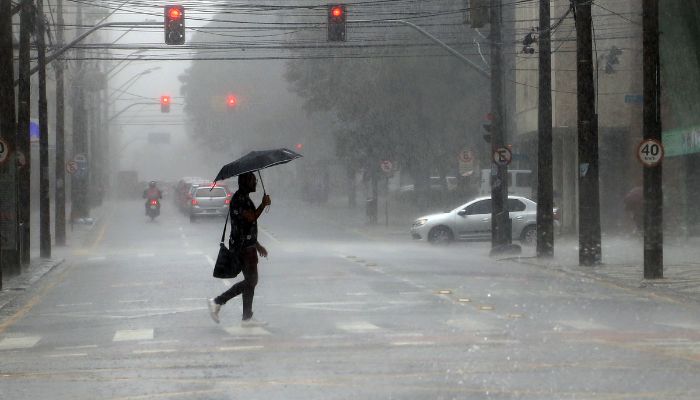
589	203
545	203
653	178
500	219
44	183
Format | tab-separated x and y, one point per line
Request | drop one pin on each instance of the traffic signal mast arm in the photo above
442	44
57	53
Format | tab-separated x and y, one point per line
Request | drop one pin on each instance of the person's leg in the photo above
250	279
250	262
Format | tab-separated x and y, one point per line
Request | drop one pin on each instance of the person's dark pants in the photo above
246	286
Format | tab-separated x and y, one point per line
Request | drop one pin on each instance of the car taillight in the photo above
194	202
227	201
154	202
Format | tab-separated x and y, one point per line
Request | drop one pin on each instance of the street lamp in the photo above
131	81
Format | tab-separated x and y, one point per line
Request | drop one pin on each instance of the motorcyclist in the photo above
152	193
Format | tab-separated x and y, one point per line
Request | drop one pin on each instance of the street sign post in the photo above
650	152
71	167
502	156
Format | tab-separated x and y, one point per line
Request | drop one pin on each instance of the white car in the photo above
472	221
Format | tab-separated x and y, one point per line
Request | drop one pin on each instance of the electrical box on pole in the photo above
336	22
174	25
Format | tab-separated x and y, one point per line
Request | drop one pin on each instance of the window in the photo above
216	192
481	207
523	179
515	205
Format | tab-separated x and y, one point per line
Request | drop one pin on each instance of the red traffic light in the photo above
298	146
164	100
175	13
231	101
337	11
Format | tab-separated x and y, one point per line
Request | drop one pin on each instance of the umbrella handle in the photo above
267	209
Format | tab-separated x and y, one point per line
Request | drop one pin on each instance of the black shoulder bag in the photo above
228	262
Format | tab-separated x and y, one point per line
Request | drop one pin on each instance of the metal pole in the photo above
44	183
79	207
653	178
23	119
589	202
545	218
500	220
8	132
60	198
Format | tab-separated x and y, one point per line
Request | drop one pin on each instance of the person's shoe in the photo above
214	310
252	323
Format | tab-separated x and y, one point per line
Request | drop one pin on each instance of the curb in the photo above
648	287
17	285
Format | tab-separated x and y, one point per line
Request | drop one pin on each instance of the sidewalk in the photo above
14	286
623	264
623	257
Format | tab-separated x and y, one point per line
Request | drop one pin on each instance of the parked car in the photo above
472	222
206	200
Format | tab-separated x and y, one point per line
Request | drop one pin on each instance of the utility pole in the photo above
653	178
23	120
500	220
44	183
9	251
589	198
60	197
79	178
545	218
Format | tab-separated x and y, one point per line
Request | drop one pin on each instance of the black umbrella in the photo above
255	161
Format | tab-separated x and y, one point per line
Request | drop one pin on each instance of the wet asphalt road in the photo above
351	316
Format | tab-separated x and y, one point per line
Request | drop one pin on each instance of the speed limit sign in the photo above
650	152
4	151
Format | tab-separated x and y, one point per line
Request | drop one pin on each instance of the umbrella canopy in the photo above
255	161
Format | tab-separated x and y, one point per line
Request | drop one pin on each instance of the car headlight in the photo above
420	222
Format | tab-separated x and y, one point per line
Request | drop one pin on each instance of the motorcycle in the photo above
153	209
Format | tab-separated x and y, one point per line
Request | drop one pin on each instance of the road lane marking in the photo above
132	301
87	346
268	234
154	351
73	304
583	325
153	342
210	260
357	327
247	331
412	343
132	335
241	348
66	355
24	342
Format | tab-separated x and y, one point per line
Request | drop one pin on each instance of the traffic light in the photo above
298	146
174	24
479	13
231	102
487	127
336	22
165	104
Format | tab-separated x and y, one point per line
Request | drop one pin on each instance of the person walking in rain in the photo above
244	235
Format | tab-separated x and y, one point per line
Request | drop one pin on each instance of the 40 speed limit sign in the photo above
650	152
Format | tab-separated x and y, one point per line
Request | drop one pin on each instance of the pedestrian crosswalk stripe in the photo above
67	355
133	334
24	342
247	331
357	327
241	348
584	325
